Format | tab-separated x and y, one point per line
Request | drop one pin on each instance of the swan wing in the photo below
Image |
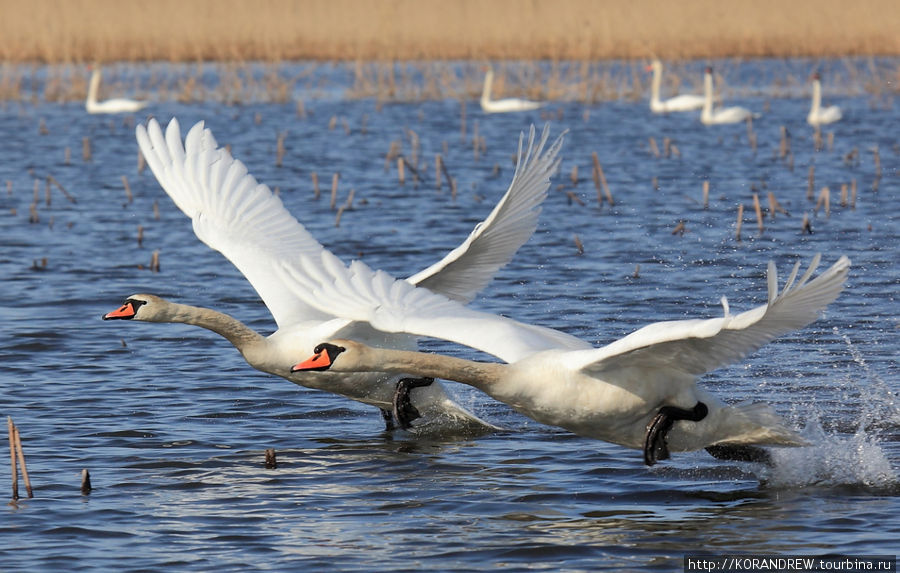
358	293
698	346
231	212
468	268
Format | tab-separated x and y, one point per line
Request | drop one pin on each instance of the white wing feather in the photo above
698	346
358	293
466	270
242	219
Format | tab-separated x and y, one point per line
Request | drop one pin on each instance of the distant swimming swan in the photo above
489	105
683	102
819	115
710	116
115	105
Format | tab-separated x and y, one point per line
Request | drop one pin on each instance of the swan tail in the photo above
752	423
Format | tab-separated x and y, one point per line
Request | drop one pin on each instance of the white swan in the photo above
489	105
710	116
116	105
249	225
629	392
819	115
683	102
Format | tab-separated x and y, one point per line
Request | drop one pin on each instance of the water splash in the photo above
836	459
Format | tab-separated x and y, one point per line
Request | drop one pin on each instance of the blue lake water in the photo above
173	424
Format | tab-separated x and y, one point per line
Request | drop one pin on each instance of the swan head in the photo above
335	355
816	76
135	307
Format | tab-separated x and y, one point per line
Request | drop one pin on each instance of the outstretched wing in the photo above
470	267
698	346
231	212
358	293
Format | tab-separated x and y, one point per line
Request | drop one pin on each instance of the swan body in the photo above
710	116
610	393
248	224
505	105
819	115
115	105
683	102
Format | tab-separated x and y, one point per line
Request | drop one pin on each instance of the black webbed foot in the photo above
741	454
404	410
655	445
388	418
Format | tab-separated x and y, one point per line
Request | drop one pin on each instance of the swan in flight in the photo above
249	225
489	105
683	102
819	115
115	105
639	391
710	116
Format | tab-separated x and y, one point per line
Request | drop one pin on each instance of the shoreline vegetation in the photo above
72	31
414	50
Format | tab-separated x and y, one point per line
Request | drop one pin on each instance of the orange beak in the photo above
124	312
318	361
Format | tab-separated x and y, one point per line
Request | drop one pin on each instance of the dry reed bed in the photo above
278	30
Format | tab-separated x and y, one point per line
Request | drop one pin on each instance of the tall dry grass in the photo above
276	30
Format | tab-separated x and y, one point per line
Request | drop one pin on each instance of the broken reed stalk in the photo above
853	194
154	262
573	176
600	181
654	149
706	194
751	135
830	140
334	187
86	148
438	179
740	222
877	159
156	210
21	456
140	237
680	229
392	153
315	182
817	139
784	148
807	226
128	194
759	215
844	194
401	172
67	156
579	246
12	458
271	462
774	206
824	198
279	149
85	482
667	147
66	194
141	162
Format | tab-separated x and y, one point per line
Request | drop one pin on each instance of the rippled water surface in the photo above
173	424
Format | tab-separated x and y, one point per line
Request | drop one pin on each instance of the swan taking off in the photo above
249	225
819	115
489	105
710	116
639	392
115	105
683	102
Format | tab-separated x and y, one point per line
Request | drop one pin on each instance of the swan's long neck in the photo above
481	375
486	90
93	87
707	93
816	96
656	83
237	333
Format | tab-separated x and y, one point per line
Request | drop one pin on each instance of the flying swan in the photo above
683	102
115	105
489	105
249	225
710	116
819	115
639	391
